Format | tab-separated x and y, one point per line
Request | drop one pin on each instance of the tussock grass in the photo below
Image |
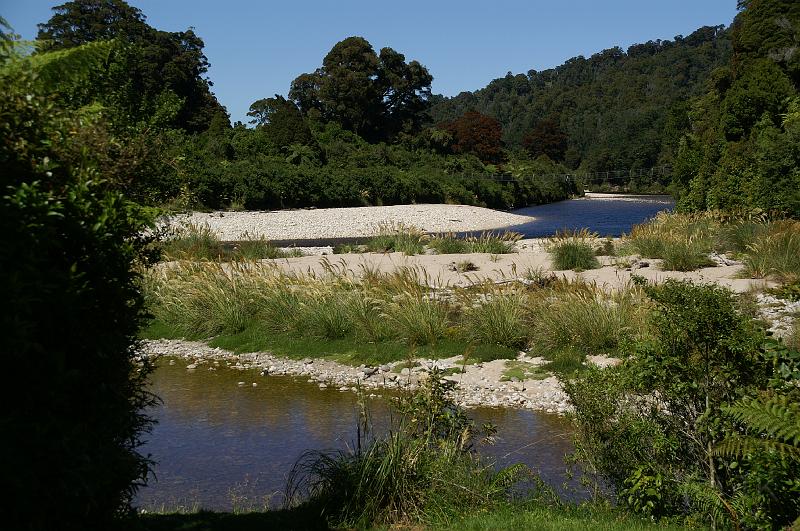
571	323
248	302
793	338
199	242
397	237
422	471
683	241
501	319
573	250
775	252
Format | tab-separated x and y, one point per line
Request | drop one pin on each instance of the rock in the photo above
191	366
642	265
514	379
369	371
385	368
405	371
264	372
343	388
240	384
307	361
255	384
323	386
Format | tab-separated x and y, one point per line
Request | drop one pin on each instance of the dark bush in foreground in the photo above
72	308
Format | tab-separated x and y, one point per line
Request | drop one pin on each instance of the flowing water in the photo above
222	446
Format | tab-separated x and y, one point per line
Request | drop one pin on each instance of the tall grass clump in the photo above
573	250
204	299
486	242
776	252
397	237
192	241
421	472
417	319
683	241
199	242
500	319
583	319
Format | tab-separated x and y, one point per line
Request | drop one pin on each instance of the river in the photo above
222	446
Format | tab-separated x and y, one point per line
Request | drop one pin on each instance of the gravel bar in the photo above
327	223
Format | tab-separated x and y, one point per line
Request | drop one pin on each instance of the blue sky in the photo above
257	47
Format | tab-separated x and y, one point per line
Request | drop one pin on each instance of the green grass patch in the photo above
573	250
522	370
562	518
345	350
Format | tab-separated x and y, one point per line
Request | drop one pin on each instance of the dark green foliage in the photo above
742	149
613	106
69	252
650	427
374	95
148	69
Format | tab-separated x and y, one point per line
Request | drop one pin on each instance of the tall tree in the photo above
281	120
373	95
151	63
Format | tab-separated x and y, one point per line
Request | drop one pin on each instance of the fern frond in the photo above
63	69
709	501
739	446
775	417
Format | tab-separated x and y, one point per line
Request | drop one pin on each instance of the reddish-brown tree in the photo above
477	134
546	138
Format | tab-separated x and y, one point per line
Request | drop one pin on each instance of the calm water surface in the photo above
220	446
610	216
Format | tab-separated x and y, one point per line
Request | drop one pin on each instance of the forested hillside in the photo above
615	110
742	149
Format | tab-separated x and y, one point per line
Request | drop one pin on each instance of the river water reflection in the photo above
220	445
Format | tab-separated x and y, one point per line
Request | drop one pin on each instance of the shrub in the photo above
573	250
69	255
649	426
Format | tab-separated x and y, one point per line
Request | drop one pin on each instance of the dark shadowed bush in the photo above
72	308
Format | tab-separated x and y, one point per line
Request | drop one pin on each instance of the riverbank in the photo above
479	384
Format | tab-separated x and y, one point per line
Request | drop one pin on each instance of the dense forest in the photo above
614	110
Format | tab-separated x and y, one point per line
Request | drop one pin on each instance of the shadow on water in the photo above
223	446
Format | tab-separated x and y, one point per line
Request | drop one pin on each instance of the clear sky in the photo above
256	48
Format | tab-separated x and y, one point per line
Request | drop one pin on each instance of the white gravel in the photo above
350	222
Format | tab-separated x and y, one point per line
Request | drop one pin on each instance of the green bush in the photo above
69	255
649	427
